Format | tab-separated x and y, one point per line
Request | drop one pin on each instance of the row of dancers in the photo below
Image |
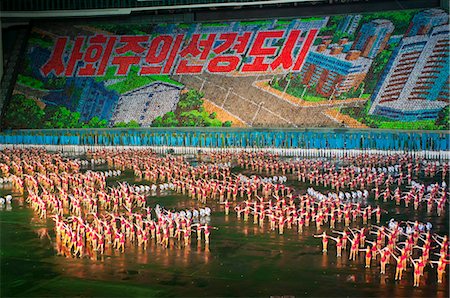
90	215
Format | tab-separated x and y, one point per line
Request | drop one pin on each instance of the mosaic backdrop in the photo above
378	70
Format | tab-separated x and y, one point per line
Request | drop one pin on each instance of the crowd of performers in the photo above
91	217
409	243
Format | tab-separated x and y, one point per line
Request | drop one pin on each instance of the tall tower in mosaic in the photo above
415	83
349	24
424	21
373	37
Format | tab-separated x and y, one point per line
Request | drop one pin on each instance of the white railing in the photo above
291	152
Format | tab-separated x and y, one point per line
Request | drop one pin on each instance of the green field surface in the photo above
30	82
133	80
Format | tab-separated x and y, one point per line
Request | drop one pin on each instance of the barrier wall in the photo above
232	138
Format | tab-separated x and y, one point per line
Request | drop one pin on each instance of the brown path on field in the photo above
264	85
238	96
222	114
345	119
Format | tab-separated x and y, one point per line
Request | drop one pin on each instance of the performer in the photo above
324	241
